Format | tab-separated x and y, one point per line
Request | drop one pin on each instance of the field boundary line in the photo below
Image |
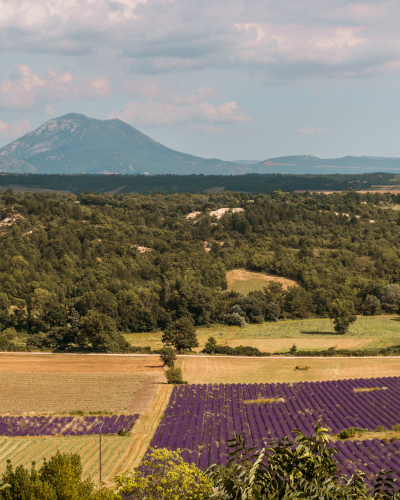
194	356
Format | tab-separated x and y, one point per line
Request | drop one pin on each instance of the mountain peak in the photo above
76	143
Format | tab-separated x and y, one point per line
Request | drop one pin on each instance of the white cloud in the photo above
174	108
310	131
32	91
283	40
14	129
157	114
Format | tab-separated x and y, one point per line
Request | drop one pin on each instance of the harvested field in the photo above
65	363
283	345
67	392
216	370
243	281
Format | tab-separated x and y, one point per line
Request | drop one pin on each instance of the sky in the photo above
229	79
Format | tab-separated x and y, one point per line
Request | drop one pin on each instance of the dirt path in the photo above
146	393
144	431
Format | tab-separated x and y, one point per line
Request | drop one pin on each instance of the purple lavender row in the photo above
201	419
65	426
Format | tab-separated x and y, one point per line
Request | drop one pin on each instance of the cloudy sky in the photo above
232	79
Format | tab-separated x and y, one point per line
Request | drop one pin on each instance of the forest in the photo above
147	184
79	271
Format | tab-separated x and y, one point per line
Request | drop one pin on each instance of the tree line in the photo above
79	271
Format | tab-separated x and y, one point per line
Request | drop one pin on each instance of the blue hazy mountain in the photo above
75	143
308	164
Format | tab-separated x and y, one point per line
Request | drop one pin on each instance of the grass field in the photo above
243	281
218	370
368	331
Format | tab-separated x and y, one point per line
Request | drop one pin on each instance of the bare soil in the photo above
237	279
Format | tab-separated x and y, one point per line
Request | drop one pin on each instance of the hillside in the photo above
12	165
75	143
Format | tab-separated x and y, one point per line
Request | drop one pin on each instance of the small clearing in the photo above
243	281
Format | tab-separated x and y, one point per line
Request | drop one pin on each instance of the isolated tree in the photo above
343	315
181	335
371	306
168	356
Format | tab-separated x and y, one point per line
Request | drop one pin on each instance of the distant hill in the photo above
307	164
75	144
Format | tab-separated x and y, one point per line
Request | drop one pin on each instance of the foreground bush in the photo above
163	475
284	472
58	479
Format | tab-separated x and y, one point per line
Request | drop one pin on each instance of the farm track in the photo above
144	430
144	396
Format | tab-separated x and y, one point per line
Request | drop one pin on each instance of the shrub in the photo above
273	312
372	305
303	368
396	427
350	432
234	319
390	295
123	432
210	346
168	356
174	376
164	475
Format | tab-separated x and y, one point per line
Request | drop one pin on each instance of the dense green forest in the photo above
147	184
79	270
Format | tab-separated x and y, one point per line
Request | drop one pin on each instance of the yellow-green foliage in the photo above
164	475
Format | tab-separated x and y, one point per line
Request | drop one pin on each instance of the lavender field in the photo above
65	426
200	419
